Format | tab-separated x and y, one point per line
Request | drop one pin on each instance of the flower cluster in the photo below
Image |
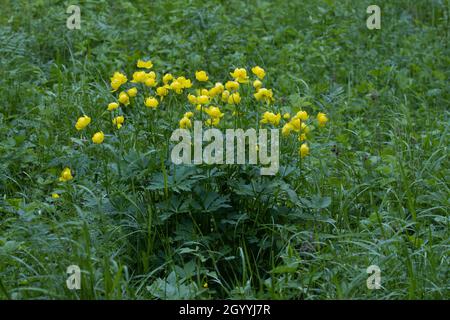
211	101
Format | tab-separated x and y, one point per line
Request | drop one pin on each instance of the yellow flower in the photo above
199	107
302	137
304	128
118	121
167	77
286	130
185	83
219	86
98	137
185	122
162	91
302	115
212	122
189	114
82	122
232	85
304	150
234	98
150	82
176	86
259	72
139	76
201	76
272	118
66	175
225	95
55	195
214	112
202	100
264	94
151	102
257	84
286	116
117	80
144	64
205	285
124	98
192	99
112	106
322	119
240	75
132	92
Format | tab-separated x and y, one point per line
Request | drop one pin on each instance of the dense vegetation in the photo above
374	189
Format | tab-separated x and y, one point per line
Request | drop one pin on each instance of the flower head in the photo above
322	119
240	75
167	77
117	80
304	150
151	102
259	72
185	123
144	64
66	175
234	98
257	84
98	137
201	76
232	85
118	121
132	92
82	122
264	94
124	98
162	91
214	112
113	106
272	118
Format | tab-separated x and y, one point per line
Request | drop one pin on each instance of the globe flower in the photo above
232	85
185	123
113	106
176	86
214	112
322	119
219	87
225	95
257	84
139	76
192	99
286	116
151	102
144	64
150	82
189	114
201	76
118	121
82	122
66	175
55	195
162	91
98	137
259	72
117	80
302	115
212	122
286	130
304	150
302	137
234	98
264	95
203	100
271	118
167	77
124	98
240	75
132	92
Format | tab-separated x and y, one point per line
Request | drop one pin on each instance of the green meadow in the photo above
364	170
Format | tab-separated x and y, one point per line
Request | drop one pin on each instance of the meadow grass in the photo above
373	191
